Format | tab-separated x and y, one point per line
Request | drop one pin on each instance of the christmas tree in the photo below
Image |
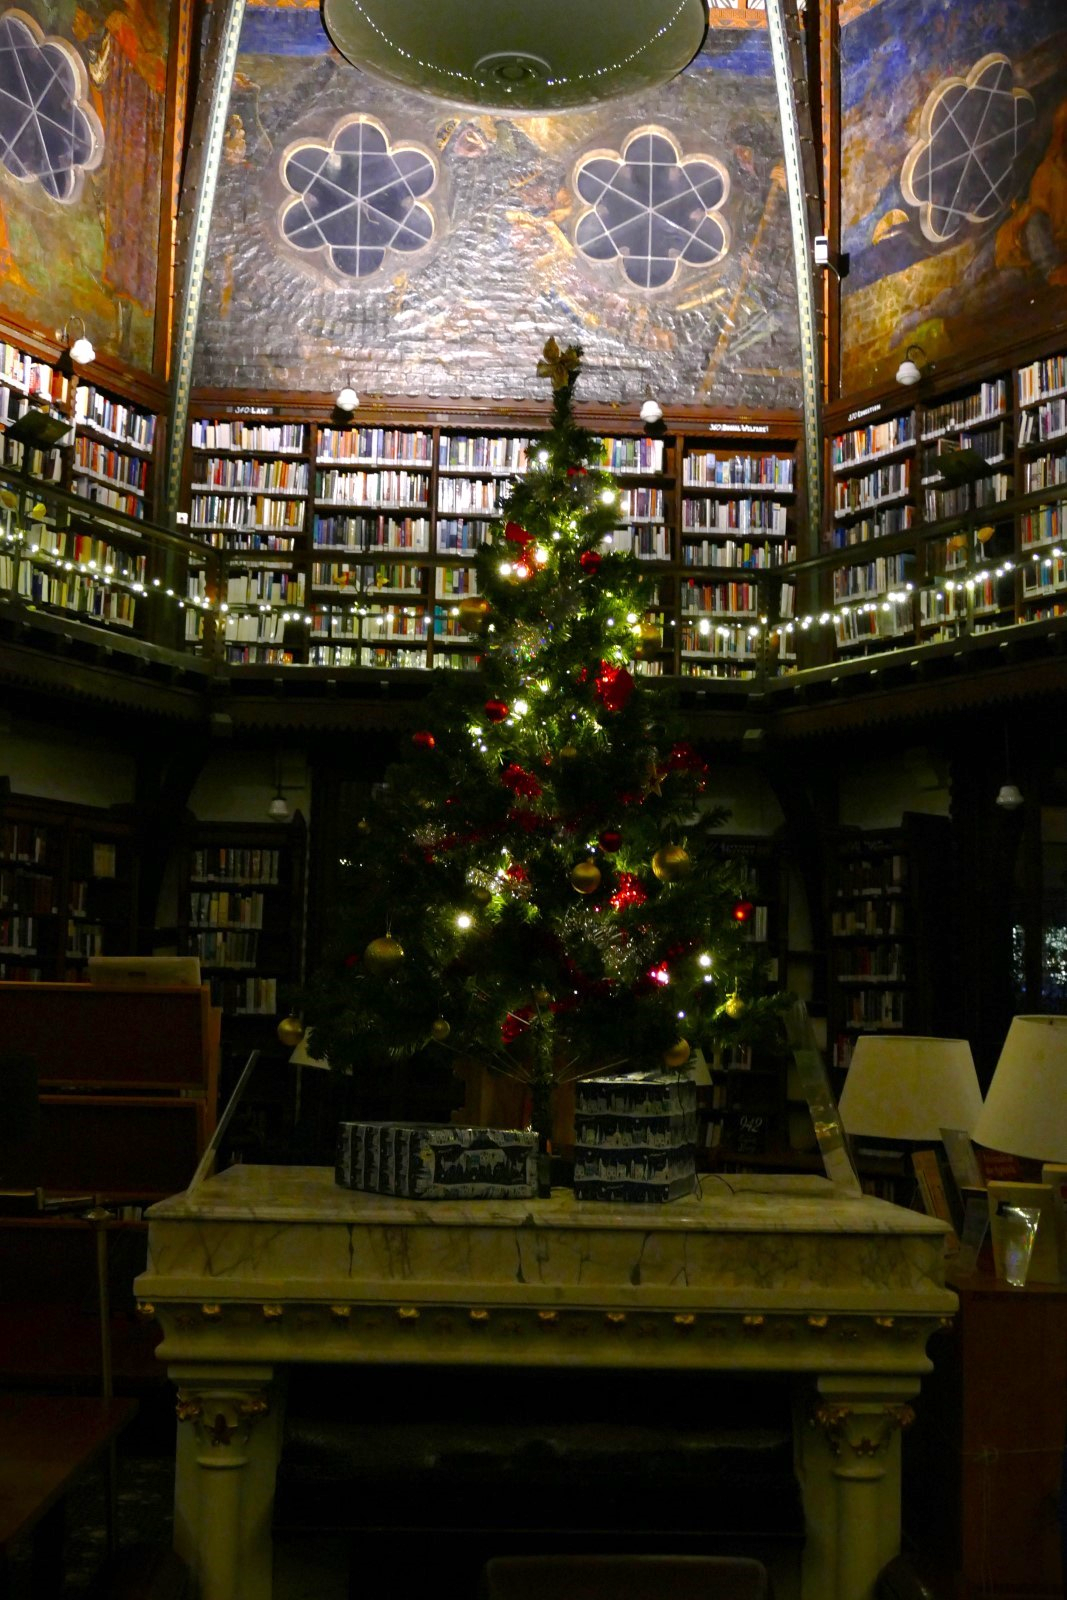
534	888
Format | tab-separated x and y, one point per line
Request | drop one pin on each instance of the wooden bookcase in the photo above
68	888
350	544
889	910
51	556
241	911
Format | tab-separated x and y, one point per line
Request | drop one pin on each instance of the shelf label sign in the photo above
864	411
739	427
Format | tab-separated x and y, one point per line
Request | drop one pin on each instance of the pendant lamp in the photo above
506	56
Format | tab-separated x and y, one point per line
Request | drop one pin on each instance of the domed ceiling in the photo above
367	234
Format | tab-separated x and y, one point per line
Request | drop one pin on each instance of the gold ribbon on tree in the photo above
559	365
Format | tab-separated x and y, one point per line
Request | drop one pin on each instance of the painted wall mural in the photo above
954	178
435	259
80	179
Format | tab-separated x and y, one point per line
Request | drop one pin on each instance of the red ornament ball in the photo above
496	710
589	561
610	840
423	739
742	910
614	686
514	533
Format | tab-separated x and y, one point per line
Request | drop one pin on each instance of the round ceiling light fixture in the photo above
497	55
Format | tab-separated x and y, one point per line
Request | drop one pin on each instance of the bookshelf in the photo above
51	557
737	525
383	518
889	913
68	888
248	498
241	912
1042	445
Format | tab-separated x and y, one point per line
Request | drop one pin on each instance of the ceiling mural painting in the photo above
82	116
655	231
954	178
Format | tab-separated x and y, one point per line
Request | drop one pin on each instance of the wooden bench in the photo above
47	1442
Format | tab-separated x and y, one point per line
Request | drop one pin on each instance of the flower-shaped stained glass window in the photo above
651	208
357	197
964	165
49	134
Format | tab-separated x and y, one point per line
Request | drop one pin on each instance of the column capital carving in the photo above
864	1431
223	1419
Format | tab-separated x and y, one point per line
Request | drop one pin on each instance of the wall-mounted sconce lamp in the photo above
651	410
909	371
82	351
347	399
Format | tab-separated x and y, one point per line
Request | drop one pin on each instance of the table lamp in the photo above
905	1087
1025	1112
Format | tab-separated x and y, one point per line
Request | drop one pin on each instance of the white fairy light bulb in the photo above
464	921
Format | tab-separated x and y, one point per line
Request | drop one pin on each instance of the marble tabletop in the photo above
734	1203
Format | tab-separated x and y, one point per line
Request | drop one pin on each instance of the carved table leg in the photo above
229	1435
849	1467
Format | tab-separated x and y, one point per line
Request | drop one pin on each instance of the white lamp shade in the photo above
347	399
1025	1113
651	411
503	54
903	1086
82	351
907	374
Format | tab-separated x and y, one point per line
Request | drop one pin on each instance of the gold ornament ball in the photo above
671	862
649	640
481	896
383	956
985	534
473	611
541	997
958	541
363	826
585	877
567	752
734	1006
677	1055
440	1030
290	1031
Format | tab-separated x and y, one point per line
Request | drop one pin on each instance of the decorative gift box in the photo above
437	1163
635	1137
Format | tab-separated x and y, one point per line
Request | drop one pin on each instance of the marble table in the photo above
261	1267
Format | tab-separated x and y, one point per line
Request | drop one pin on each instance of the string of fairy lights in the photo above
735	638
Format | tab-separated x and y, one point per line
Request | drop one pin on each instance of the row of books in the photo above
245	997
84	939
71	591
285	438
125	423
369	488
893	519
224	864
500	453
226	908
24	372
226	947
873	577
734	516
399	446
93	858
877	439
888	482
868	917
90	455
254	512
1041	378
24	842
705	469
988	400
19	934
32	892
246	473
730	553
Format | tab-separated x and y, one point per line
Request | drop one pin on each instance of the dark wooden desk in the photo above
991	1437
46	1443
